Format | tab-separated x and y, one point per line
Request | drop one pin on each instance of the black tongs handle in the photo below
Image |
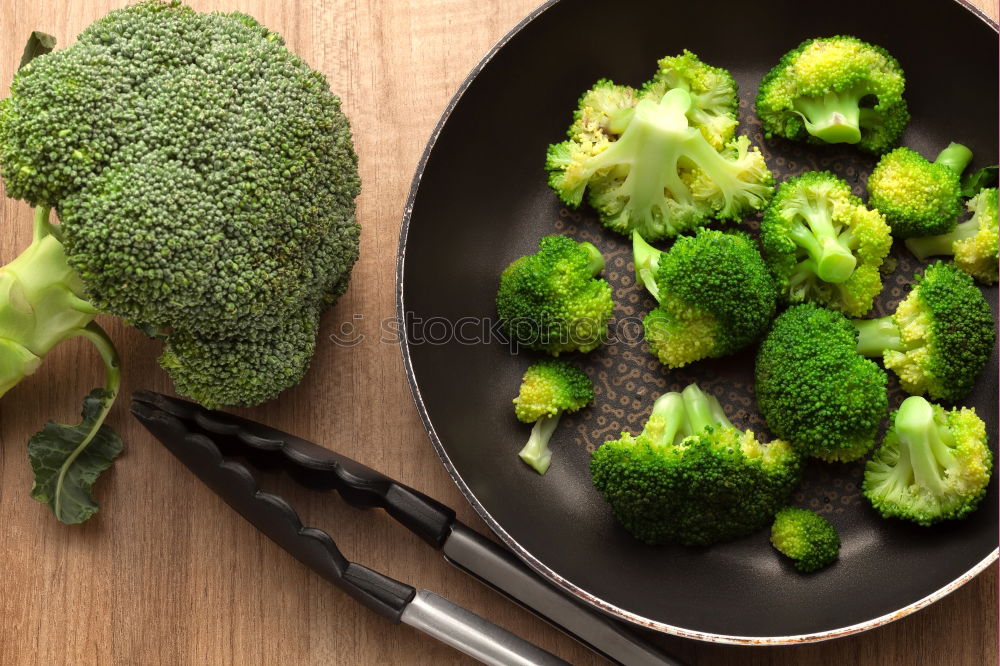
314	467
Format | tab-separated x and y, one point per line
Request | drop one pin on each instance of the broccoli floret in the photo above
835	90
823	245
552	300
549	388
814	389
205	192
715	295
933	464
939	338
973	242
919	198
647	169
691	477
714	100
806	537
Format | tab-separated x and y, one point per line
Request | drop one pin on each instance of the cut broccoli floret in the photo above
973	242
939	338
691	477
647	169
917	197
933	464
552	300
715	295
548	389
806	537
823	245
835	90
813	388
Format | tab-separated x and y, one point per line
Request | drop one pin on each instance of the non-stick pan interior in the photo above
482	201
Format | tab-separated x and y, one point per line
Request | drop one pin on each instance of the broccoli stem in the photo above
955	156
596	264
703	410
670	422
818	236
536	452
942	244
833	117
647	261
919	433
41	304
875	336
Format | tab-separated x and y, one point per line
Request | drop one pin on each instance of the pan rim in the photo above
537	565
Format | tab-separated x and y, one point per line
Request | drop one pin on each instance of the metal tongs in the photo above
208	443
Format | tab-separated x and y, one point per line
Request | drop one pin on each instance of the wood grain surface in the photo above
167	574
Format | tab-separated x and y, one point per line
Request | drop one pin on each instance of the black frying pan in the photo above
480	199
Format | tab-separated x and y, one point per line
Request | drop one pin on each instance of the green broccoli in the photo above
813	388
205	193
552	300
691	477
806	537
973	242
548	389
823	245
715	295
933	464
647	167
835	90
939	338
919	198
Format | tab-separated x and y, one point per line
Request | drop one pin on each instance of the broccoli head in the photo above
973	242
715	295
823	245
548	389
204	179
939	338
691	477
835	90
814	389
933	464
806	537
552	300
647	168
919	198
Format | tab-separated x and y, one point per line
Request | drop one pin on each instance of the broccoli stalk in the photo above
835	116
955	156
647	263
830	255
42	305
536	453
875	336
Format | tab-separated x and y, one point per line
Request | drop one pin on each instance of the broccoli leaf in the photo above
973	182
38	44
66	464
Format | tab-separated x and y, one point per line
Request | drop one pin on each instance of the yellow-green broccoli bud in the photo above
549	388
806	537
835	90
917	197
933	464
939	338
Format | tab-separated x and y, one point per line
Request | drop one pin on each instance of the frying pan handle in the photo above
312	466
